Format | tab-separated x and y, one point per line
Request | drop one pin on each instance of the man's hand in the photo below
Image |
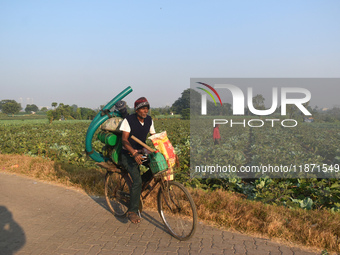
138	157
134	153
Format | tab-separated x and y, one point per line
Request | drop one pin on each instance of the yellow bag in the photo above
162	143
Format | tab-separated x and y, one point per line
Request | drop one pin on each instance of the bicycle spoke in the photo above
177	210
117	193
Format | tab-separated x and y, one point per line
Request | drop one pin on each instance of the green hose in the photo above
97	121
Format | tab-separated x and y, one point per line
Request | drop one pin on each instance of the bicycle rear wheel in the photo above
177	210
117	193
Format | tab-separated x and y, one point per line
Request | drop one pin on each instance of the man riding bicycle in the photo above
139	124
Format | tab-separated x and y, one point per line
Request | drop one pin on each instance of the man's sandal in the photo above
133	217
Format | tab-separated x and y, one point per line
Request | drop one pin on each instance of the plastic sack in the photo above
162	144
112	124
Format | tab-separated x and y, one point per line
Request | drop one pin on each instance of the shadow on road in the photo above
102	202
145	215
153	221
12	236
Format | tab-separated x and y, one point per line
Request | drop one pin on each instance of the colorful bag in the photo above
162	143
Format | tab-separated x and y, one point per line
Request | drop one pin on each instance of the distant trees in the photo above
31	108
2	102
293	112
154	113
160	111
329	115
190	103
258	102
183	102
70	112
87	114
185	114
185	106
10	106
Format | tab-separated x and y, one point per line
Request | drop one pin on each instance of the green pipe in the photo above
97	121
110	104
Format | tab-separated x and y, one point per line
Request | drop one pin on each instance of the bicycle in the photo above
175	205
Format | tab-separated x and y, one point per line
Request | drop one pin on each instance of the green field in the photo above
64	141
306	145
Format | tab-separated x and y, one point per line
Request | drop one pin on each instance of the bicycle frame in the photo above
158	178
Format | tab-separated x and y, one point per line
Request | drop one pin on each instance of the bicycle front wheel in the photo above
117	193
177	210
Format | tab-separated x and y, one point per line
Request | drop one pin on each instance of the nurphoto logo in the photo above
238	104
238	99
264	127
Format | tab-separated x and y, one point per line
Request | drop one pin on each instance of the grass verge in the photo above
89	180
317	229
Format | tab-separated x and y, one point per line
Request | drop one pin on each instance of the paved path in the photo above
38	218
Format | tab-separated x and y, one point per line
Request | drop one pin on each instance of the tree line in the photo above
186	107
8	106
58	112
65	112
182	106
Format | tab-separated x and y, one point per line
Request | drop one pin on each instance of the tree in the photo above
154	112
161	111
293	111
87	114
5	101
74	107
65	111
54	104
31	108
258	102
10	107
50	115
78	114
184	102
186	114
44	109
226	109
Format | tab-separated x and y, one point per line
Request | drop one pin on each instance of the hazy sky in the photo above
86	52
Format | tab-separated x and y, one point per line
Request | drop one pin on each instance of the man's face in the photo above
142	112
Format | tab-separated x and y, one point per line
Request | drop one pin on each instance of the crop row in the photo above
276	146
64	141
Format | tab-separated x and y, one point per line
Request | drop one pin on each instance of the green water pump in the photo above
99	119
